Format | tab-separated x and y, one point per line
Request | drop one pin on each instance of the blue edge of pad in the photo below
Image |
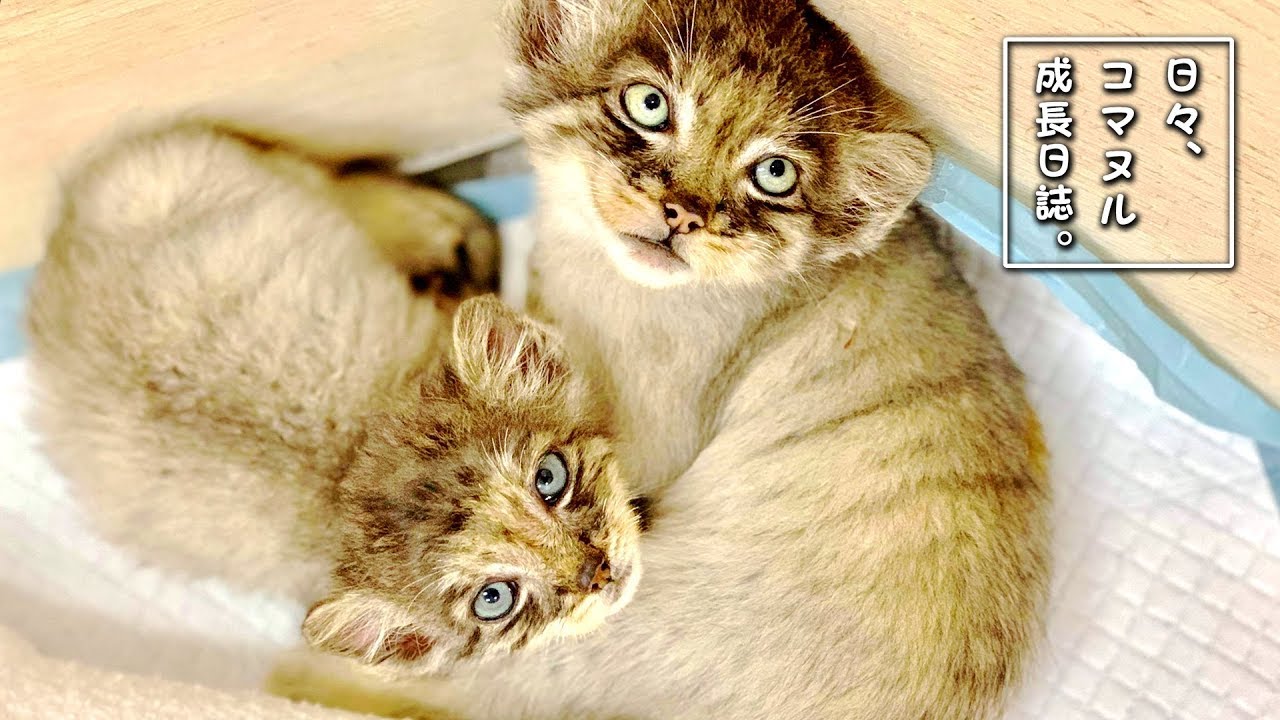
1180	373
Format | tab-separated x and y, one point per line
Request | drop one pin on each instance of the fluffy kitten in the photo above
207	326
852	498
239	378
482	512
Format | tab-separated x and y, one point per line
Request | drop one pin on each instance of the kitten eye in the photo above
647	106
495	600
552	478
775	176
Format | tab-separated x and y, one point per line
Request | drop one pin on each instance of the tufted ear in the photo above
886	170
360	626
503	355
882	173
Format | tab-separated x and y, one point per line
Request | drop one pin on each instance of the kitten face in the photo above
484	515
717	141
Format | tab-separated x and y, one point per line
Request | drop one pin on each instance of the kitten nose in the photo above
681	220
594	574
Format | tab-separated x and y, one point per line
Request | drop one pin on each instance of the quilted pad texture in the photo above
1166	589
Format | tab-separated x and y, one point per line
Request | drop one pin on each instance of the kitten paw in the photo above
444	247
304	676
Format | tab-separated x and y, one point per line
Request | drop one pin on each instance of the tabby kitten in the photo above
482	511
238	376
850	484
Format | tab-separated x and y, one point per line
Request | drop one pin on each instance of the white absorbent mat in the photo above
1166	588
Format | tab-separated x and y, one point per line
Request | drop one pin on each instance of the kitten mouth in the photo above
657	253
664	241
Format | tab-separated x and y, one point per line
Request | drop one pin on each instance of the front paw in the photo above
473	271
444	247
310	677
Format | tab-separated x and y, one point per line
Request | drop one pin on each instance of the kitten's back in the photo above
206	329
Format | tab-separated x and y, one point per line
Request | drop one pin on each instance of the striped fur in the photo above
849	518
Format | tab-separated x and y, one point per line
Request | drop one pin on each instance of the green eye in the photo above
495	600
775	176
647	106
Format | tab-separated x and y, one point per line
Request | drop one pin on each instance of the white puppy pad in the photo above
1166	588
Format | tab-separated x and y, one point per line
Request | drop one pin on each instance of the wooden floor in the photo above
413	76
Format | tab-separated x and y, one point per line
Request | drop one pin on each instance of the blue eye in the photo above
495	600
552	478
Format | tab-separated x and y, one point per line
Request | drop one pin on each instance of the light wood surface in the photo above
393	76
1179	197
945	58
414	76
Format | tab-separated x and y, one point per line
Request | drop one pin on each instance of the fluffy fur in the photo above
438	501
207	327
240	359
851	501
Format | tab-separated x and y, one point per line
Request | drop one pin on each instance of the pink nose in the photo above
681	220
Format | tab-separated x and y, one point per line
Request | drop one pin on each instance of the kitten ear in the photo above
543	30
502	354
884	172
360	626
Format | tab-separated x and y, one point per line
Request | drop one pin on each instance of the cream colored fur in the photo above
806	560
210	323
850	501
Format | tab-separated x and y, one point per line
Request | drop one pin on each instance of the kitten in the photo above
234	370
850	484
207	326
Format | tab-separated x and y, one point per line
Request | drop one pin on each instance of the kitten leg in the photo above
307	676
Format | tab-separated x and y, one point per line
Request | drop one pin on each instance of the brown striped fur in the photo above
849	492
438	501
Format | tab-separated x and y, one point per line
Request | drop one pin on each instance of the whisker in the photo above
796	133
664	38
414	581
678	33
819	115
824	95
806	284
664	35
417	595
693	18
